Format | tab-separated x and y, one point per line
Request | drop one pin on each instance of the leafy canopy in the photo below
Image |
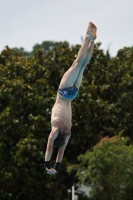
28	87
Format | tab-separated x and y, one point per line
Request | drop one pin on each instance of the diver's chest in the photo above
62	111
62	124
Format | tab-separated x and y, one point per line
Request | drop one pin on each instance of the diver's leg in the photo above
71	75
88	57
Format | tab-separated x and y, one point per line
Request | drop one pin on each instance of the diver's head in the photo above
60	140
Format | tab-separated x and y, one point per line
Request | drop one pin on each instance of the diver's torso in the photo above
62	114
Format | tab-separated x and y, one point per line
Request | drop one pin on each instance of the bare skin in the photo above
61	112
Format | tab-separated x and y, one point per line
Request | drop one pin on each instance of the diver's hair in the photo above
59	142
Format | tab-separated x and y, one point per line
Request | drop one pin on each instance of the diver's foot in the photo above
92	30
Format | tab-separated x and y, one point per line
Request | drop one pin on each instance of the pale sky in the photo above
24	23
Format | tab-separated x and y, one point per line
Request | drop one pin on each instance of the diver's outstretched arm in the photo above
62	148
60	153
53	135
59	157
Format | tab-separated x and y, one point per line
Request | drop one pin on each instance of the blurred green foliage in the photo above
108	169
28	86
44	46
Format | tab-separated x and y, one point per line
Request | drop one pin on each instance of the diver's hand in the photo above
51	171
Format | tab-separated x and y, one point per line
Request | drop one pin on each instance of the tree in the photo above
108	168
28	88
22	50
47	46
26	99
44	46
